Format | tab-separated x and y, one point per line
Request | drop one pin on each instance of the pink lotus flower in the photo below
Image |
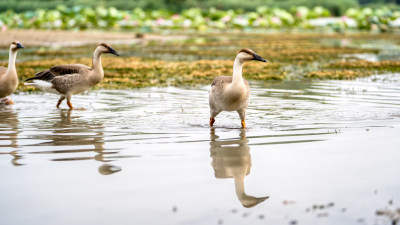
3	28
226	19
127	17
276	20
160	21
175	16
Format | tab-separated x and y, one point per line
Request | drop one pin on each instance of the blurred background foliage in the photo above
336	7
206	15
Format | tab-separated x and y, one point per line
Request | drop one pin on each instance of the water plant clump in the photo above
191	62
195	19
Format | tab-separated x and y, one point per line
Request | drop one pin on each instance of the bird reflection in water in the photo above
68	125
232	159
9	133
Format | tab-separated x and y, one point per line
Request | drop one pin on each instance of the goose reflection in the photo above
231	158
9	133
72	131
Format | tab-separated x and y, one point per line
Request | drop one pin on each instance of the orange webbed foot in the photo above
6	101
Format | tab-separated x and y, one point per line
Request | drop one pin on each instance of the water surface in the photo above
321	152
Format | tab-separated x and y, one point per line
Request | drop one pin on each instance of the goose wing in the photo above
68	69
2	70
65	83
62	70
222	80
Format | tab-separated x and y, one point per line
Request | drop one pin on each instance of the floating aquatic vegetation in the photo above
385	65
82	18
337	74
191	62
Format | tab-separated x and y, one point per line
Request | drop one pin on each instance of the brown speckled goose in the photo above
8	76
231	93
67	80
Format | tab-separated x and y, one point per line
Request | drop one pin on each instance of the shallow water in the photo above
324	152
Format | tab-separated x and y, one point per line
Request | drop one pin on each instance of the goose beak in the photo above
112	51
258	58
19	46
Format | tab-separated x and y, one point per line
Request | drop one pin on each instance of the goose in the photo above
231	93
70	79
8	76
232	159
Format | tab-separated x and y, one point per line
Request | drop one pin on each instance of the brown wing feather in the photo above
68	69
50	74
3	70
67	82
221	80
225	80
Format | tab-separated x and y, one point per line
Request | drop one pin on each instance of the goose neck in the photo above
11	60
237	71
239	186
96	64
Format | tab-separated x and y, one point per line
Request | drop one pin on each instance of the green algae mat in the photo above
198	59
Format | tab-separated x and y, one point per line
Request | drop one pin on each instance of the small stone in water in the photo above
288	202
174	209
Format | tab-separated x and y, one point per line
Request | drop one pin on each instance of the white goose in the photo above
8	76
231	93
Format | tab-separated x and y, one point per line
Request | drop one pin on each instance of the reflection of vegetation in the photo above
261	17
200	59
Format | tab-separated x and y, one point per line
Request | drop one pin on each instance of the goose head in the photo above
15	45
246	55
106	48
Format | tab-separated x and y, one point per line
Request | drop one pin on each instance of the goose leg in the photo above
242	114
212	120
213	115
6	101
69	102
10	102
60	100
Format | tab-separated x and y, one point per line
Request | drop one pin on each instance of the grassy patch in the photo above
199	59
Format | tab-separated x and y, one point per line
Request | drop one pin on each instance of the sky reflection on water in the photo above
307	145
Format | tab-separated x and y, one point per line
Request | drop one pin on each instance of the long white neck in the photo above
97	69
246	200
11	60
237	72
239	185
96	64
